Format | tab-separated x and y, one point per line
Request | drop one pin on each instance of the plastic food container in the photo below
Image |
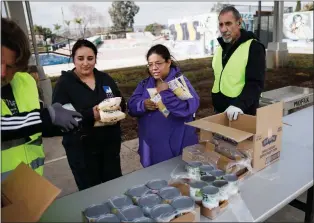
119	202
147	202
193	169
143	219
137	191
163	213
183	204
95	211
222	185
208	179
195	190
129	214
210	197
206	169
108	218
156	185
168	194
233	184
218	174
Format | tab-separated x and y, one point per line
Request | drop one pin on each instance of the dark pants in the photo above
92	165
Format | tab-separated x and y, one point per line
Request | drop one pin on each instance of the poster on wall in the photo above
298	26
203	29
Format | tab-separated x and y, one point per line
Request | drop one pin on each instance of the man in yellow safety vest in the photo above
239	66
23	122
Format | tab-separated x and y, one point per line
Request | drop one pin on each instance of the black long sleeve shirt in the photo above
70	89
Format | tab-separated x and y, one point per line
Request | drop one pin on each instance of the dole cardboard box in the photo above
261	134
25	195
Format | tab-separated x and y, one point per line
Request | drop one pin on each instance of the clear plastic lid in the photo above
230	177
108	218
120	202
198	184
149	200
157	184
138	191
143	219
194	164
94	211
217	173
168	193
207	168
130	213
163	213
220	183
208	179
183	204
210	190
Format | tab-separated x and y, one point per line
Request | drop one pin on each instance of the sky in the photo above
49	13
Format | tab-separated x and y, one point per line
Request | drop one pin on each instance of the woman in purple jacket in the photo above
162	138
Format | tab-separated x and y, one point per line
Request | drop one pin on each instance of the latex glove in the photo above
233	112
62	117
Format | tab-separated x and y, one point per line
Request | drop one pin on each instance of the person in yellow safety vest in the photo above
239	66
23	122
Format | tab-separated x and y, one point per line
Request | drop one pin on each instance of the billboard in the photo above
298	26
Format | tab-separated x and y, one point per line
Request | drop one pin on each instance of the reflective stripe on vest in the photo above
16	151
36	165
230	80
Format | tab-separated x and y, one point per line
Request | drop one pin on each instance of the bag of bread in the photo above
155	97
111	116
110	104
180	88
101	124
162	108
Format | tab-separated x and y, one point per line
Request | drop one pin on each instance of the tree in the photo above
308	7
122	14
154	28
57	27
45	32
298	6
85	16
217	7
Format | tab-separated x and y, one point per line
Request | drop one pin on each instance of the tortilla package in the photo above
156	98
109	110
180	90
110	104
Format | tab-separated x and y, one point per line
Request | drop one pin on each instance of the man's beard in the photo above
229	40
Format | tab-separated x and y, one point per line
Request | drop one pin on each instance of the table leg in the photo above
309	211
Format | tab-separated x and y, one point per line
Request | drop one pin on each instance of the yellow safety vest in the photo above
16	151
231	79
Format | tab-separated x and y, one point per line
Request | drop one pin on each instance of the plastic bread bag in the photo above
179	89
136	192
130	213
152	92
119	202
101	124
111	116
110	104
162	108
163	213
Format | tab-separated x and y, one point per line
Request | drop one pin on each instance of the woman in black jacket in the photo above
93	152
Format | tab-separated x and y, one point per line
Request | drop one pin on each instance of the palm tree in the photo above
57	27
79	21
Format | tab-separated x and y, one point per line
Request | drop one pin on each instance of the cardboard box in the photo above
25	195
262	134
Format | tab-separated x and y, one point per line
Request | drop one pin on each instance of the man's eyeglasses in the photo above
157	64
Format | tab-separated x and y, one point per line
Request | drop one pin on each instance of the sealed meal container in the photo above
143	219
218	174
147	202
168	194
233	185
208	179
156	185
137	191
210	197
163	213
119	202
222	185
129	214
193	169
108	218
95	211
183	204
195	190
206	169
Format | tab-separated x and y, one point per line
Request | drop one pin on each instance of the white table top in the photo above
262	194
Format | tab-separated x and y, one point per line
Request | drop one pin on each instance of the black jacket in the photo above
248	100
70	89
